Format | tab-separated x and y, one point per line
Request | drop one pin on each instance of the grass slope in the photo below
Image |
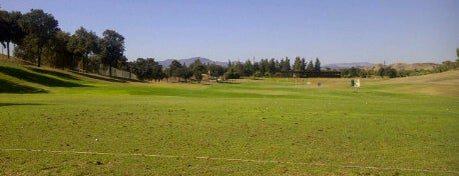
278	126
34	77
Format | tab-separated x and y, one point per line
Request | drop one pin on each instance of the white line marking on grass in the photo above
234	159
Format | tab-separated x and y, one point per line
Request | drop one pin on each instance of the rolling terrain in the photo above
57	122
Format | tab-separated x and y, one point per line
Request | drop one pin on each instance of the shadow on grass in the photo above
18	104
227	82
99	77
11	87
54	73
37	78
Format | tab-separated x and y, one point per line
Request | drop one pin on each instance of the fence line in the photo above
104	70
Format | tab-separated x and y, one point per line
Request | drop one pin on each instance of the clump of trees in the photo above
271	67
38	39
147	69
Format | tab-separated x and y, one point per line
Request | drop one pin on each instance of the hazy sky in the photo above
333	30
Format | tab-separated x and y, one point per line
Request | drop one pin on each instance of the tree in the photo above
4	28
175	69
285	65
387	71
216	70
310	67
112	48
264	66
457	53
317	65
60	56
272	66
39	28
391	72
248	68
299	65
147	69
232	74
10	29
198	69
82	44
186	72
381	72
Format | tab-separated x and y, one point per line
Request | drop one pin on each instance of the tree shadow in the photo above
99	77
37	78
54	73
11	87
19	104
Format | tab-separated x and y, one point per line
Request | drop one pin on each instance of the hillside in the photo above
404	66
445	83
18	78
347	65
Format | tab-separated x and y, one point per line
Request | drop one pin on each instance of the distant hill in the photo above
189	61
347	65
405	66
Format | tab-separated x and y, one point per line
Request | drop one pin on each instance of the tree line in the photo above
149	69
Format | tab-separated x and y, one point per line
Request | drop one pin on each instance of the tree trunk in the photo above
85	63
8	49
39	57
110	69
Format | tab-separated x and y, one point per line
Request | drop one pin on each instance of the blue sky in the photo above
333	30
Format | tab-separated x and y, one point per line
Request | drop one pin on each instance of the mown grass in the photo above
34	77
331	130
11	87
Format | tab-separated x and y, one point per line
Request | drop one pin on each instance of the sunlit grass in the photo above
325	128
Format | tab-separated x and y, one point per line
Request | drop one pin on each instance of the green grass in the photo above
35	77
11	87
306	130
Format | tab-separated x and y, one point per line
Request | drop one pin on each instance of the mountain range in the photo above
347	65
166	63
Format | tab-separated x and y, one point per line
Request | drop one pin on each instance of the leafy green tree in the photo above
317	65
285	65
4	28
198	69
272	66
175	69
264	66
60	56
10	29
256	68
381	72
39	28
84	43
248	68
147	69
112	48
387	71
216	70
232	74
299	65
186	73
391	72
310	67
239	67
